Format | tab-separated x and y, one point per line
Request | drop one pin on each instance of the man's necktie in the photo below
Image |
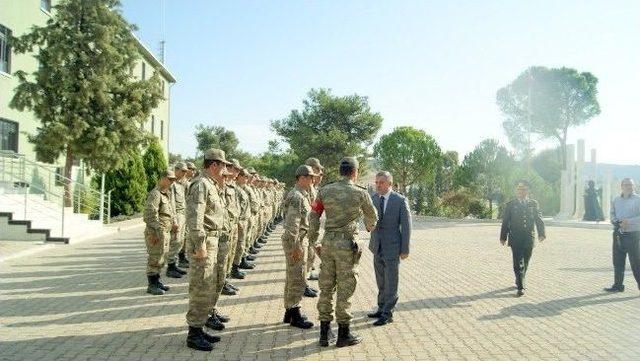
381	211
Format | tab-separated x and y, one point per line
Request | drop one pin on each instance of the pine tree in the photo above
88	104
154	163
129	187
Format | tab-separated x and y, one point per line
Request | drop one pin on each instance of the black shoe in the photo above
309	293
209	337
326	335
162	285
615	288
261	241
299	321
236	273
520	293
287	316
383	320
214	323
183	262
233	287
252	250
346	338
222	318
250	257
153	287
196	340
244	264
228	291
376	314
313	289
257	245
172	271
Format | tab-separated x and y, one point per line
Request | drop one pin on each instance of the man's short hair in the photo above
524	182
386	175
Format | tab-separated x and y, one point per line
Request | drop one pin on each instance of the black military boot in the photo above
209	337
153	287
345	337
244	264
326	335
214	323
196	340
308	292
221	317
298	320
252	250
257	245
287	316
183	262
250	257
162	285
233	287
228	291
173	272
236	273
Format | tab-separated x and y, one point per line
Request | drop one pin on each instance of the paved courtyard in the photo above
88	302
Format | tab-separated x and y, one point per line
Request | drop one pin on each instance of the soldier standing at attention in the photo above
205	221
313	237
176	247
520	217
294	244
244	200
160	218
344	203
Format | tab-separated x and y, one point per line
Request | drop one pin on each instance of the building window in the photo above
8	135
153	124
45	5
144	70
162	129
5	50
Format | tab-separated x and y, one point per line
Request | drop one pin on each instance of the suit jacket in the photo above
391	236
519	220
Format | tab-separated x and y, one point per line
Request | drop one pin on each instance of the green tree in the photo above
154	163
128	186
175	158
210	136
410	154
277	163
88	105
485	171
330	127
546	103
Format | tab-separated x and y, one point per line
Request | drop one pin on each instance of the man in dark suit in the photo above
389	244
519	218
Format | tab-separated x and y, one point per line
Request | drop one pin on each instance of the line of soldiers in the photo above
212	221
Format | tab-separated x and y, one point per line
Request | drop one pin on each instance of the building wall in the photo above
19	16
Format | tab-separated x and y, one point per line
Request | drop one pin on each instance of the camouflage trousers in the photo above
177	239
295	281
233	245
241	242
220	268
311	256
157	246
338	274
203	279
251	230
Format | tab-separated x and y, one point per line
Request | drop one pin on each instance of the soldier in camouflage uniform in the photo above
519	218
178	189
160	218
344	203
205	221
294	244
244	200
313	237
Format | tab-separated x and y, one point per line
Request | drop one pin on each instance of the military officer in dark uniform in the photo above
519	218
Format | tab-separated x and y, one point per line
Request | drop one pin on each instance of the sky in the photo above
434	65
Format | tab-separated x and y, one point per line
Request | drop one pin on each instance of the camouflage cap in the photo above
180	166
191	166
314	162
244	173
251	170
216	154
351	161
169	174
235	163
305	170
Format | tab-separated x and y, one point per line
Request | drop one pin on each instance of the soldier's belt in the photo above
215	233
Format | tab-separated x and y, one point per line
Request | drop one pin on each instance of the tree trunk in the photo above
67	175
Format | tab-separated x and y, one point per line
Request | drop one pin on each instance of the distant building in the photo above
16	18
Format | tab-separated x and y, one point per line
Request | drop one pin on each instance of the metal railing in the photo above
19	175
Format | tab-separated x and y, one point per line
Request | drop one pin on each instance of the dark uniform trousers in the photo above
623	244
521	250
